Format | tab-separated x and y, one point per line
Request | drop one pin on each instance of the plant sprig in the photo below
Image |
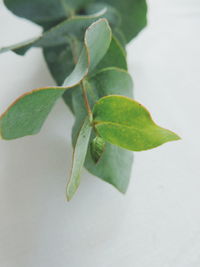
84	46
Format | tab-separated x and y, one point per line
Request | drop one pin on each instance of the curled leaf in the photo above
80	151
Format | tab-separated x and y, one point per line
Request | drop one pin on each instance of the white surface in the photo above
157	223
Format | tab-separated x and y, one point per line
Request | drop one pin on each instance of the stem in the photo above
84	91
86	101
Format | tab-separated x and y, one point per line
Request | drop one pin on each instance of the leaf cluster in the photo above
83	43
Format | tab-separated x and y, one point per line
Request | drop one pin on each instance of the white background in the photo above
157	223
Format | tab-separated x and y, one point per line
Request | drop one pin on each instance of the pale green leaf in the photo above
80	151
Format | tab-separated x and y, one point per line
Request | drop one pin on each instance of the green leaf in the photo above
111	81
126	123
80	151
61	61
43	11
105	82
97	148
20	48
96	43
61	34
133	15
112	15
26	115
115	164
115	56
60	64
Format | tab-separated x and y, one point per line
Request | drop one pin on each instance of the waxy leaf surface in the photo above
126	123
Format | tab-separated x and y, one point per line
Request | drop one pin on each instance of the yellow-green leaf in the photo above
126	123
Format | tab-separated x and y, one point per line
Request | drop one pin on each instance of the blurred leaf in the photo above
124	122
20	48
60	62
115	56
112	14
111	81
44	11
133	15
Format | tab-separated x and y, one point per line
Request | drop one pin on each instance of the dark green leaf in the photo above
112	15
80	151
44	11
60	62
133	14
110	81
61	33
115	56
126	123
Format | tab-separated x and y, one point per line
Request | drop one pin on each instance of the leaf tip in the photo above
70	191
172	136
